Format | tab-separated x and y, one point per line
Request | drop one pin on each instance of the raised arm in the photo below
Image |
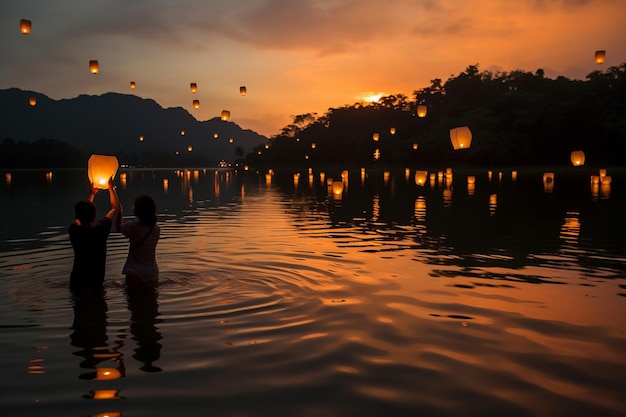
115	202
118	219
92	192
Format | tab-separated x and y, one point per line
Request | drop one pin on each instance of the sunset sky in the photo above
294	56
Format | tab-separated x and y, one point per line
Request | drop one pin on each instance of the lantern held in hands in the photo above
461	137
100	168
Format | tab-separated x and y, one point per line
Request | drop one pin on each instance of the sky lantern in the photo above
32	101
461	137
225	115
231	140
243	90
196	104
337	189
600	56
420	177
132	84
141	138
193	87
313	145
216	135
415	146
182	133
422	110
94	66
375	136
25	26
100	168
189	148
578	158
392	130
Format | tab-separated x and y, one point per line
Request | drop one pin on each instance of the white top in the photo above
141	259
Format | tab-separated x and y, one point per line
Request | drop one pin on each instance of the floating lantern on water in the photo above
25	26
196	104
132	84
471	179
422	110
602	172
600	56
100	168
32	101
193	87
94	66
606	180
392	130
337	189
595	179
243	90
420	177
375	137
548	182
225	115
578	158
461	137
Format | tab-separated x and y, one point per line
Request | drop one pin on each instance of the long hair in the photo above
144	208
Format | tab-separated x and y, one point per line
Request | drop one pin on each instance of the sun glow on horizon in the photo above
370	97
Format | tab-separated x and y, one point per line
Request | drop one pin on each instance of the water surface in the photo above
278	299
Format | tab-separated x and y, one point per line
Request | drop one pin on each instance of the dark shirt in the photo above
90	251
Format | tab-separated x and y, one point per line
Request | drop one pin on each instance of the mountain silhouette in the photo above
111	123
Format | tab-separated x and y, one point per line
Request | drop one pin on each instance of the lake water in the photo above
277	299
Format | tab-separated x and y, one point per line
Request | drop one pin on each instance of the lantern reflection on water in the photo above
100	168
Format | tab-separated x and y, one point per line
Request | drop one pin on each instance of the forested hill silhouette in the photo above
113	123
516	118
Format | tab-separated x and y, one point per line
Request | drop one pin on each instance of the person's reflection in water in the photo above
89	334
144	309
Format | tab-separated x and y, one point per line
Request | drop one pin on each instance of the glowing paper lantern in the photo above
193	87
94	66
375	136
337	189
100	168
415	146
189	148
606	180
231	140
182	133
420	177
422	110
392	130
225	115
32	101
548	182
140	138
461	137
243	90
578	158
196	104
600	56
25	26
313	145
132	84
471	179
216	135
